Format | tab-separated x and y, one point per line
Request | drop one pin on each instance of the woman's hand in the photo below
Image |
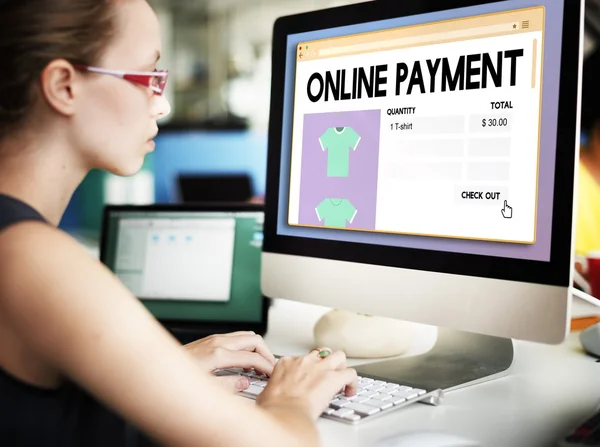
235	350
310	381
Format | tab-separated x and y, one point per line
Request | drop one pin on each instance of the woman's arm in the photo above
84	322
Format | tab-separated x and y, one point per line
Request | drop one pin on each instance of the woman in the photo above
79	355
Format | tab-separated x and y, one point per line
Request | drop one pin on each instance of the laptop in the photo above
196	267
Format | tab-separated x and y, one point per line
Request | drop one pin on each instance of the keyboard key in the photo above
379	404
352	417
361	409
398	400
342	412
369	394
338	403
254	390
407	394
389	391
376	388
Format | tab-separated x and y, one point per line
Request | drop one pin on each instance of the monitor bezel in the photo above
555	272
203	326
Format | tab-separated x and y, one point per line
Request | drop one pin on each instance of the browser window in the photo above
430	130
185	259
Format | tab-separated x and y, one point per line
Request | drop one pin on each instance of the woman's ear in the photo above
57	85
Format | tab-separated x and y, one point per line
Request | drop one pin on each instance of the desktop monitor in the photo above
421	164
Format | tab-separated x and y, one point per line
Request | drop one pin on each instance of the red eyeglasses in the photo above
154	80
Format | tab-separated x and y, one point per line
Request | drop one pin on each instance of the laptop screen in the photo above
189	265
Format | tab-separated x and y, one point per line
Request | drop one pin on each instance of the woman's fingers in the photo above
247	341
233	383
345	379
226	358
336	360
235	334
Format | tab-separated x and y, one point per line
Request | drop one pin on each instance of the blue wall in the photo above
207	152
177	152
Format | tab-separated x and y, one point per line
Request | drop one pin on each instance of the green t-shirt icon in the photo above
338	141
336	212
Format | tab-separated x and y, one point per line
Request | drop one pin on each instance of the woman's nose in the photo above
161	107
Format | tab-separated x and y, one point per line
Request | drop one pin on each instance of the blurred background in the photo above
213	145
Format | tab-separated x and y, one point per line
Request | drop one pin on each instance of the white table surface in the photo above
548	390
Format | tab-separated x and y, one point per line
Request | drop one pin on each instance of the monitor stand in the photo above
457	359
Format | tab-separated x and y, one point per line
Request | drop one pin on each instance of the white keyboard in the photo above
373	397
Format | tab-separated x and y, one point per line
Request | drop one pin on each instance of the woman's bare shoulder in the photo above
27	246
43	269
26	234
49	279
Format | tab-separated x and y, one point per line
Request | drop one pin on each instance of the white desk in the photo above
548	391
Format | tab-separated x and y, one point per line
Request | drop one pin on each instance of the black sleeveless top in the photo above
66	416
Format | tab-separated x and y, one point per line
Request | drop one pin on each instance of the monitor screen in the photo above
433	131
422	162
189	265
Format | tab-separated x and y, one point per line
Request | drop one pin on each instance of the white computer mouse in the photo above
426	439
590	339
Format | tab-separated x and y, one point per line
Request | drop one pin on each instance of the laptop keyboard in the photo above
373	398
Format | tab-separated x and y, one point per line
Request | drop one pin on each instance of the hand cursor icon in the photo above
506	211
